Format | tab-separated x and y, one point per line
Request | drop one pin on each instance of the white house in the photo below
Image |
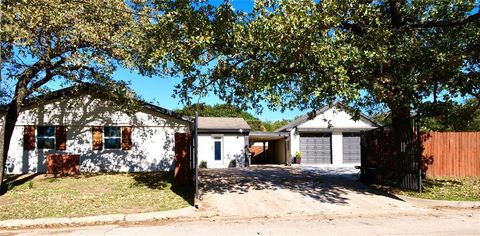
222	141
105	138
332	137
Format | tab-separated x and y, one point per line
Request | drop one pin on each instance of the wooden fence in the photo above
452	154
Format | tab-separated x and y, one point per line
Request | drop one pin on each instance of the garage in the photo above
351	148
316	148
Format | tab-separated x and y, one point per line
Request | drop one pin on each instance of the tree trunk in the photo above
11	117
399	114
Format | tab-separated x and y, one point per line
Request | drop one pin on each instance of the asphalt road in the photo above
450	222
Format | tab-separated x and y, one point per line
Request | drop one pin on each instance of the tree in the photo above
306	54
274	125
52	42
453	117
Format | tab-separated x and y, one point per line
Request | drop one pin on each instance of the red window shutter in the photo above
126	138
61	137
29	137
97	137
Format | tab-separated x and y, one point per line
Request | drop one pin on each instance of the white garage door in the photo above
316	148
351	148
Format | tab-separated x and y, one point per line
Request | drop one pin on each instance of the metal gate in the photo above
392	156
316	148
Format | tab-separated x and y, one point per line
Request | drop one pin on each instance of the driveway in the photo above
280	190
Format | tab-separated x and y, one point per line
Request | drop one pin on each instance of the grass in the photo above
37	196
453	189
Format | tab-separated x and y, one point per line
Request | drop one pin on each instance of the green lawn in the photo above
454	189
35	196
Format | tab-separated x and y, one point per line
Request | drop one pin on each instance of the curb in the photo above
440	203
101	219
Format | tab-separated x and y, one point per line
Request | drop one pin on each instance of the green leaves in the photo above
306	54
73	40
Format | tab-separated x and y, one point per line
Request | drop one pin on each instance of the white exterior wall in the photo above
337	148
339	121
233	148
294	141
153	137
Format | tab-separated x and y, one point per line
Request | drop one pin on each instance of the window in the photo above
112	137
46	137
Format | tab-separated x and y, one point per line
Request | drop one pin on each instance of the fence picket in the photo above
455	154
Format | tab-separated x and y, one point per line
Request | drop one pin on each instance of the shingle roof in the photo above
87	88
222	123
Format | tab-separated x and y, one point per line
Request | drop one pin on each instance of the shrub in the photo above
232	164
203	164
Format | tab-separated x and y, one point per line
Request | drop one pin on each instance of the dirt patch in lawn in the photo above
37	196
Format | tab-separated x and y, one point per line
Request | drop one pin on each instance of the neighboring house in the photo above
222	140
106	139
332	137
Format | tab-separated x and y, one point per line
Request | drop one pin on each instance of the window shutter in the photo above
97	137
61	137
126	138
29	137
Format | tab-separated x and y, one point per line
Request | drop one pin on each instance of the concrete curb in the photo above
101	219
440	203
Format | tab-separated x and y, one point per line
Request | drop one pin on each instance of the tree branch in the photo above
395	17
49	75
355	28
441	24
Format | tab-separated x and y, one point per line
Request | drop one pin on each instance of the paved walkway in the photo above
101	219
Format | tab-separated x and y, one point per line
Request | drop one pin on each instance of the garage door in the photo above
351	148
316	148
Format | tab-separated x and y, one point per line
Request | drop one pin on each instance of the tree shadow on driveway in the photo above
317	183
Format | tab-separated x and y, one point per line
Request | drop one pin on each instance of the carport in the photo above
269	147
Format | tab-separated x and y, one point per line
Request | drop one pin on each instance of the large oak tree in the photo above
51	43
403	55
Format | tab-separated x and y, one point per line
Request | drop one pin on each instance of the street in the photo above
435	222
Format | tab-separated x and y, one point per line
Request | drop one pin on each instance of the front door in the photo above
217	149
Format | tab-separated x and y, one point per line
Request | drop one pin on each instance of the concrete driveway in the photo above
261	191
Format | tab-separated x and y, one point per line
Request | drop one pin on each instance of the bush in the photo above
232	164
203	164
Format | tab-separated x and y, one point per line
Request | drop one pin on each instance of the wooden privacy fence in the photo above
451	154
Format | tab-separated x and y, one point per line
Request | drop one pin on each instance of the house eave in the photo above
224	131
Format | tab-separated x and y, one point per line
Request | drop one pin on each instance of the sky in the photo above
159	90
